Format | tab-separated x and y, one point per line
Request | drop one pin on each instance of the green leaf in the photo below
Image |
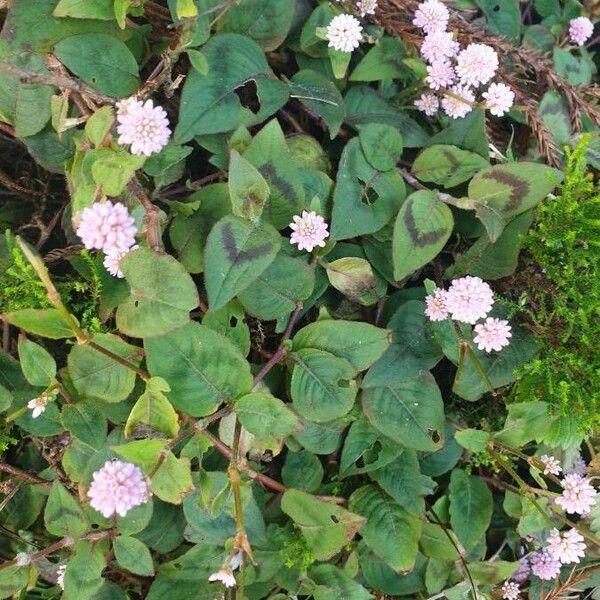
46	322
237	252
410	412
504	19
302	470
154	409
361	344
526	421
198	61
435	543
83	576
390	531
381	144
265	21
96	375
501	367
265	416
173	480
577	70
63	515
269	153
413	347
112	170
556	115
422	228
189	234
12	580
382	62
37	363
504	191
327	528
473	440
101	60
334	583
447	165
401	479
38	30
319	94
203	369
162	294
248	189
471	507
436	575
209	103
493	571
364	199
366	105
26	106
133	555
186	9
85	9
354	277
86	423
230	321
144	453
98	126
493	260
322	386
279	289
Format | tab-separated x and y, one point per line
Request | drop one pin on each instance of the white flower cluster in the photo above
108	227
469	299
225	573
454	73
561	547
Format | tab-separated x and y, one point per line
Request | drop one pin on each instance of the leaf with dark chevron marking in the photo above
502	192
236	253
422	228
447	165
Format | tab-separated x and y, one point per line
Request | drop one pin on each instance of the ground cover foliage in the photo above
299	299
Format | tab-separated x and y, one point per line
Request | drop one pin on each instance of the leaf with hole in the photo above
411	412
322	385
326	528
210	104
161	296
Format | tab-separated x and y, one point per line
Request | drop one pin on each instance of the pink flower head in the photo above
117	487
578	494
579	467
309	230
493	334
544	566
431	15
439	45
142	125
440	74
112	261
580	30
499	99
107	226
469	299
344	33
476	64
566	547
510	590
366	7
551	465
436	305
522	572
428	103
460	104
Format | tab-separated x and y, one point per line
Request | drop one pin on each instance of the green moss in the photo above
565	244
